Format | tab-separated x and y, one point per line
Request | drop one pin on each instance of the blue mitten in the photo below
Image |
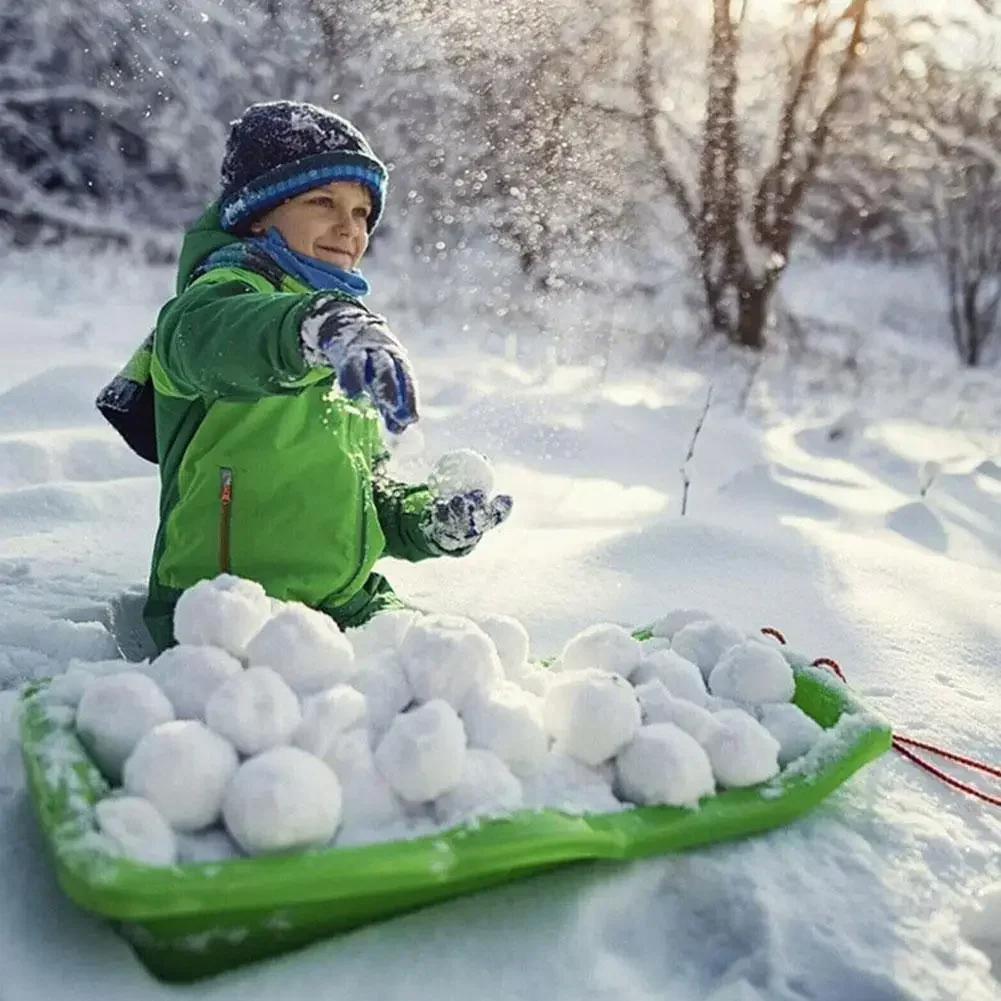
366	355
454	525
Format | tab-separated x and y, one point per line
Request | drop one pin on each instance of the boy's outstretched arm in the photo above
401	507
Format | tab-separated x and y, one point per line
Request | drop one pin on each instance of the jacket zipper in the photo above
225	516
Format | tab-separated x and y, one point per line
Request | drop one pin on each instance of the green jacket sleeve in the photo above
399	506
224	339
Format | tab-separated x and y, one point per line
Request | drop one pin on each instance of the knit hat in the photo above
280	149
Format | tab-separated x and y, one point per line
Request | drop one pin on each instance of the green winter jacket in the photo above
266	470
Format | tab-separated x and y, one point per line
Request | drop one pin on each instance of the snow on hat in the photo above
279	149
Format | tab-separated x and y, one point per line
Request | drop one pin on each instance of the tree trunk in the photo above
754	298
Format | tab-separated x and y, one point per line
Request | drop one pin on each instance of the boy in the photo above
269	380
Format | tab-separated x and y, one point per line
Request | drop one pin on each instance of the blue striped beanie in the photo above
280	149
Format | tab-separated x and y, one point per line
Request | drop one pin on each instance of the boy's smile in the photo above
329	223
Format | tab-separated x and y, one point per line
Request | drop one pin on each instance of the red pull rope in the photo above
902	744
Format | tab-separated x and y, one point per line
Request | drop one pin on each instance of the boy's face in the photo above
328	223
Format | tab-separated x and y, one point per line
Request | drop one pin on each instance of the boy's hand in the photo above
454	525
366	355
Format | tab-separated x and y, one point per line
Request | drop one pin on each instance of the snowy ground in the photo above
823	535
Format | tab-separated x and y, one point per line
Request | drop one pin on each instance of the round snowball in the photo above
369	803
224	612
509	722
536	680
190	675
213	845
603	647
422	753
658	705
305	647
591	715
703	643
255	711
383	682
679	676
382	632
67	689
136	830
447	657
563	783
487	788
282	799
326	715
792	728
664	765
459	472
115	712
511	640
753	674
182	768
675	621
742	751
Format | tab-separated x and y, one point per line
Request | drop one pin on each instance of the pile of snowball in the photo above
268	729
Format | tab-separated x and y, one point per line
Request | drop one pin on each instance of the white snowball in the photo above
536	680
422	753
115	712
136	830
715	704
792	728
675	621
282	799
742	751
190	675
182	768
509	722
753	674
679	676
213	845
664	765
326	715
383	682
305	647
511	640
225	612
658	705
447	657
487	788
602	647
67	689
703	643
368	801
591	715
565	784
459	472
382	632
255	711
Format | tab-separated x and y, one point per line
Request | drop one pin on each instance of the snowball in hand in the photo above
664	765
282	799
591	715
507	721
190	675
115	712
182	768
459	472
742	751
753	674
224	612
382	632
792	728
511	640
704	642
255	711
603	647
679	676
383	682
136	830
486	788
305	647
658	705
326	715
422	753
447	657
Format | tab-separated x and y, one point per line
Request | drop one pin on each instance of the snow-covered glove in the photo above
453	525
366	355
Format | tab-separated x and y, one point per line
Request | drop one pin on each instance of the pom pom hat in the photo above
280	149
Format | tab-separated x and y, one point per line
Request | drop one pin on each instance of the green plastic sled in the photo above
195	920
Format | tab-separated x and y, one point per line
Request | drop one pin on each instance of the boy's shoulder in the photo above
249	263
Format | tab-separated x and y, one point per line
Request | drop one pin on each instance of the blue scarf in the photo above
310	271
